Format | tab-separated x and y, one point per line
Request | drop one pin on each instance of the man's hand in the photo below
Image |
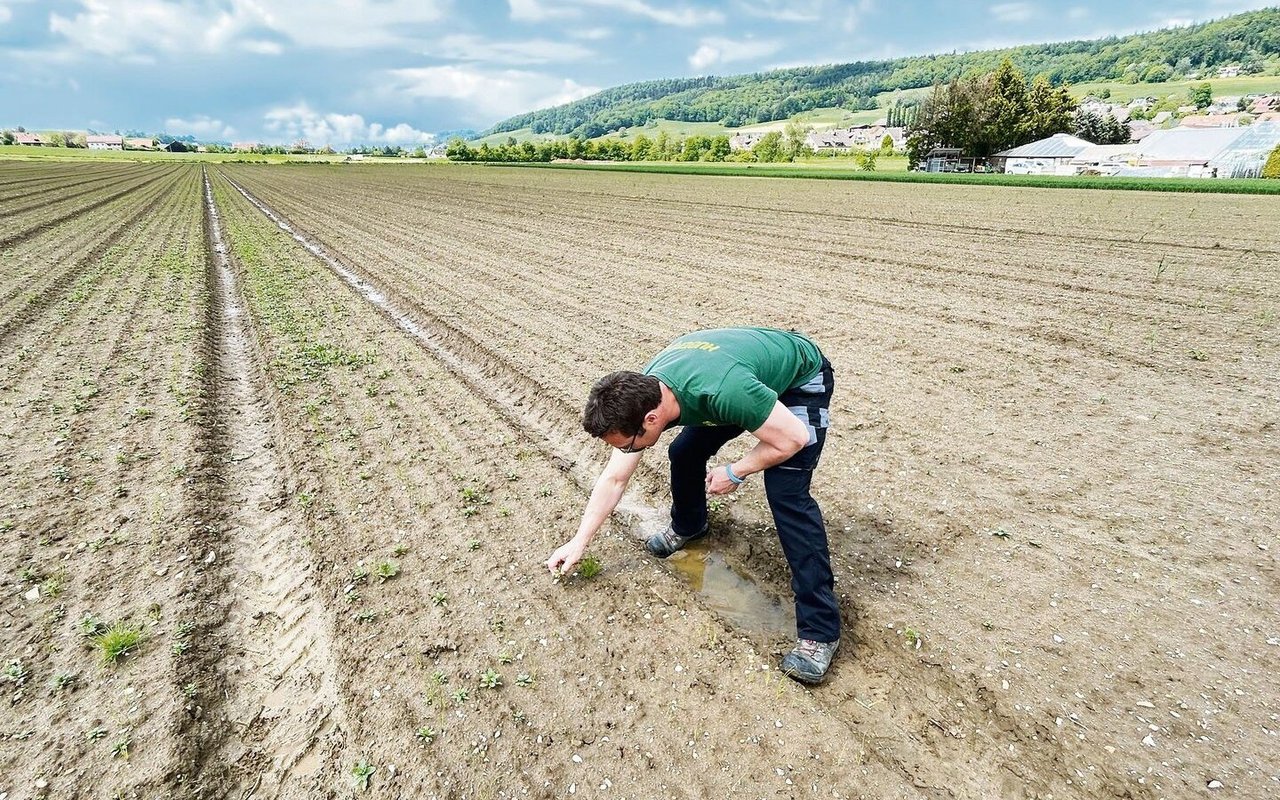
718	482
566	557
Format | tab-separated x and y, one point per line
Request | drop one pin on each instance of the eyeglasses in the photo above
631	448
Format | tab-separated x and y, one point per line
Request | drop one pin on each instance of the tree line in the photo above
773	147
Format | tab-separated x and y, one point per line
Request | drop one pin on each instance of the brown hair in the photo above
619	401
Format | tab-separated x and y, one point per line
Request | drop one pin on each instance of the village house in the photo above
243	147
1229	71
28	139
97	142
139	143
745	141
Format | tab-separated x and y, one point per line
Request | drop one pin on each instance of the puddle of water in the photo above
729	594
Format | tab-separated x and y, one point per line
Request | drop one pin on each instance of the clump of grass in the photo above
590	567
117	641
386	571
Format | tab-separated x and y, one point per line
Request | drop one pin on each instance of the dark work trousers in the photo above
795	513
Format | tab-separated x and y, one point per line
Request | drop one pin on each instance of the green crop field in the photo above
1122	92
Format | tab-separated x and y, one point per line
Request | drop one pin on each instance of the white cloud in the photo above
200	126
590	34
133	29
487	94
1012	12
535	11
535	51
1077	13
785	10
682	16
300	121
715	50
5	14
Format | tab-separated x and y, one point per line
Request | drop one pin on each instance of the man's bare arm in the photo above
604	499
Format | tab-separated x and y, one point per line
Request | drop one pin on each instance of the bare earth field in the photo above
307	434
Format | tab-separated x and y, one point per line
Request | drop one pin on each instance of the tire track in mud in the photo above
966	725
277	697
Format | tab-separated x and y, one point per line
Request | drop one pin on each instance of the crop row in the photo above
101	389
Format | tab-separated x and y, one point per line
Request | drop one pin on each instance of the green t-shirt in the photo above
733	376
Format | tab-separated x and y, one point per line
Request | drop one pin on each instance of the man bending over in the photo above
717	384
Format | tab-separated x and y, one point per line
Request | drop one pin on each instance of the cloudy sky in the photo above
376	71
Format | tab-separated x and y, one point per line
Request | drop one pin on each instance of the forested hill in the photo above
1249	40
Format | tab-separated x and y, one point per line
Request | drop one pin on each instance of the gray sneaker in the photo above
668	541
808	660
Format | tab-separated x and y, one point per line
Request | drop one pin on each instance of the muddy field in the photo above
284	449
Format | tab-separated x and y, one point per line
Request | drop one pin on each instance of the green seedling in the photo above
427	735
474	544
439	599
117	641
362	771
62	681
14	672
96	734
386	571
590	567
360	574
461	696
90	626
505	657
913	637
400	550
524	679
121	750
61	473
366	616
490	679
